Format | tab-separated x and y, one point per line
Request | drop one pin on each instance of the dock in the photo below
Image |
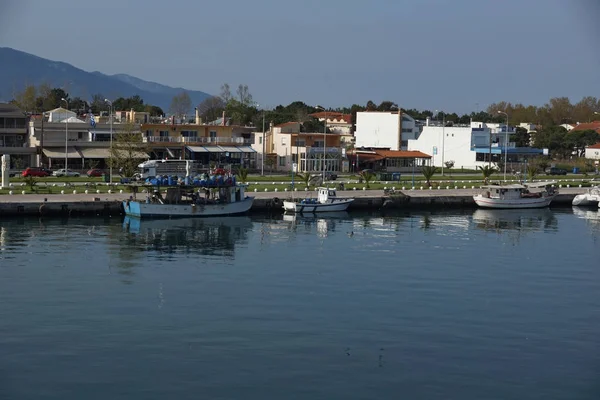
265	202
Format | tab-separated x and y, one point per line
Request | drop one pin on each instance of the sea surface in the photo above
451	305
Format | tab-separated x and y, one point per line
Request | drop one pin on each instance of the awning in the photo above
246	149
58	152
230	149
214	149
94	152
197	149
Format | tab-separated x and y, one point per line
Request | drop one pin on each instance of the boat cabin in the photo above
201	195
325	194
514	192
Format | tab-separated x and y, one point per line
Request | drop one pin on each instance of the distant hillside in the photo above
18	69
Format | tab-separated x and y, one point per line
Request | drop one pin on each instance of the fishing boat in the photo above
191	202
533	195
326	201
590	198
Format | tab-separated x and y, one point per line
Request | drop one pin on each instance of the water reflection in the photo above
521	220
591	216
325	222
201	236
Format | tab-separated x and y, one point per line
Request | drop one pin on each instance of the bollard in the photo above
62	192
23	192
74	191
87	191
98	191
10	192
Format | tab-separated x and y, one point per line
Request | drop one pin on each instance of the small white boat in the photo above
590	198
326	201
534	195
191	202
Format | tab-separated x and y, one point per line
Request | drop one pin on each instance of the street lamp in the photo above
110	172
324	140
505	144
443	137
66	133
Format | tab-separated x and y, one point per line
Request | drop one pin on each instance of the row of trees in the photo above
34	99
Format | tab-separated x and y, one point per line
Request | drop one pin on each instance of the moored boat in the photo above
191	202
590	198
326	201
534	195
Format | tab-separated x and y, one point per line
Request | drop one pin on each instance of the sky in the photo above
457	56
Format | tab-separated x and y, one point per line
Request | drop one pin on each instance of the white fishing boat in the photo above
533	195
326	201
590	198
191	202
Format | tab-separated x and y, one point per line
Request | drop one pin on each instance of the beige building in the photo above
13	137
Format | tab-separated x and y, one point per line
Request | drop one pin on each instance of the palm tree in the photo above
428	172
487	172
306	178
243	175
367	176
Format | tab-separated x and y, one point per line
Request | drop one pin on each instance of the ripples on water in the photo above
461	305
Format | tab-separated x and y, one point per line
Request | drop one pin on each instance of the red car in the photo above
33	171
95	172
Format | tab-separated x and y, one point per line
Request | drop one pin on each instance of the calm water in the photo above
471	305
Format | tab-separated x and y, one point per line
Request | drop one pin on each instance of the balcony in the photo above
198	140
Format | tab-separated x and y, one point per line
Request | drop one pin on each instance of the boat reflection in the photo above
325	222
591	216
201	236
523	220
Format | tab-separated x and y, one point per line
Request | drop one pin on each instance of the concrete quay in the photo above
110	204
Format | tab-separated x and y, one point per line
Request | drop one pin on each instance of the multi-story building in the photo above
285	145
223	144
13	137
385	129
60	137
470	146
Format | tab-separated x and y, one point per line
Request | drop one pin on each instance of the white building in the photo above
385	129
469	146
593	152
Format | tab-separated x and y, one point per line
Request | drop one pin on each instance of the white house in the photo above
385	129
593	152
61	115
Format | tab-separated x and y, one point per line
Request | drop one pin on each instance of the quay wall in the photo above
37	205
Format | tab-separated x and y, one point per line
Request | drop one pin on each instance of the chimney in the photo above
198	119
427	121
223	118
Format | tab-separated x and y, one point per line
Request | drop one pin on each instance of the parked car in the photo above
66	172
34	171
48	171
95	172
556	171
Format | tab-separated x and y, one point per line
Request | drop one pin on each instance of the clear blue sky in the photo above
432	54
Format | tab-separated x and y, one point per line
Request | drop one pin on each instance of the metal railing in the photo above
198	140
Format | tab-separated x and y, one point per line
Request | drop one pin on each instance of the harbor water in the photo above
468	304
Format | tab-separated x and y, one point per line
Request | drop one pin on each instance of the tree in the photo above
449	165
543	163
126	104
532	170
522	137
583	139
26	100
487	172
225	93
127	150
305	178
180	105
78	105
371	106
244	95
154	111
243	175
366	177
211	108
98	104
428	172
386	106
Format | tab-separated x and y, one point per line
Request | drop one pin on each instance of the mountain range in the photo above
18	69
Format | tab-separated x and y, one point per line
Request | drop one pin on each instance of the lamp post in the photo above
324	141
110	172
443	137
505	144
262	161
66	134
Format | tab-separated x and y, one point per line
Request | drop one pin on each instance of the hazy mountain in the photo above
18	69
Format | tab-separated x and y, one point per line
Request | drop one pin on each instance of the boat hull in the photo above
337	205
587	200
538	202
152	210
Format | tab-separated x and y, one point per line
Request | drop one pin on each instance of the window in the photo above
260	140
407	130
79	135
283	141
189	134
212	134
282	161
164	133
300	143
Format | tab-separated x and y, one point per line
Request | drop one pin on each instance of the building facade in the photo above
385	129
13	137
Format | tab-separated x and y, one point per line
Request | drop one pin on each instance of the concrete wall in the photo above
380	129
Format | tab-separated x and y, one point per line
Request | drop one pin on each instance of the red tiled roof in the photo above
286	124
326	114
595	126
594	146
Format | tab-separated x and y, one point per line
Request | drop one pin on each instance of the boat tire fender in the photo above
276	202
